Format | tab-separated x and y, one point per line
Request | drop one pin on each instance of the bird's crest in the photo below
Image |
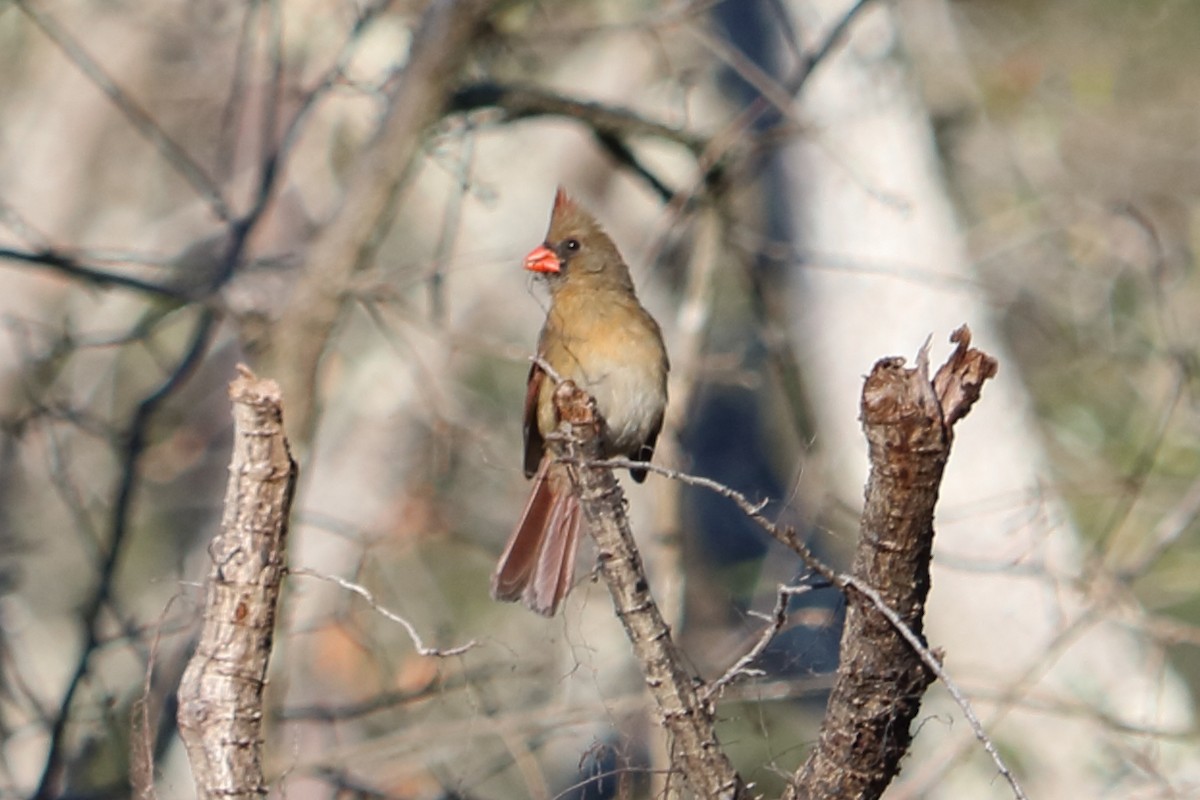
570	219
563	204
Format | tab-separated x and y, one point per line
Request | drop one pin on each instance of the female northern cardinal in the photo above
597	335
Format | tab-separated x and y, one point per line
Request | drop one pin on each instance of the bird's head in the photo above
577	250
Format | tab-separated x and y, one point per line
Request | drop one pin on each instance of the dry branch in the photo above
133	447
526	102
881	678
441	45
696	753
220	696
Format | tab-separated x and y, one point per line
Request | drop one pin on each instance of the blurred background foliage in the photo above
132	138
1071	150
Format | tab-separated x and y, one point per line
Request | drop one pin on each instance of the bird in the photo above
597	335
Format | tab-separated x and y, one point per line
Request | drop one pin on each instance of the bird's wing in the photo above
534	445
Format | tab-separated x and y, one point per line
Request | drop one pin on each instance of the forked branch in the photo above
881	677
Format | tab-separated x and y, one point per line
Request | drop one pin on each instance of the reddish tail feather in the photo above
538	564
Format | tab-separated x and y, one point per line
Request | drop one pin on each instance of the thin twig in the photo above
524	101
545	367
122	513
367	595
232	109
612	126
818	54
931	660
389	700
741	668
141	758
451	226
737	131
441	43
71	267
137	116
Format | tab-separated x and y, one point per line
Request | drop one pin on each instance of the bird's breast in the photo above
614	351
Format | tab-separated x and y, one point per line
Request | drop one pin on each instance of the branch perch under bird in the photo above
688	719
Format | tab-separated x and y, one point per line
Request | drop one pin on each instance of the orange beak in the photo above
542	259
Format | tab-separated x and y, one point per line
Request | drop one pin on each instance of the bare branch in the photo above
612	126
881	677
776	619
695	751
441	45
141	121
71	267
220	696
135	445
525	102
885	665
843	581
367	595
818	54
142	733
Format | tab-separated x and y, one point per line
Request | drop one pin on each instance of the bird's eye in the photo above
571	245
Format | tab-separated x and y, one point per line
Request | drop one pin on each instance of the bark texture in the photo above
696	754
220	696
880	680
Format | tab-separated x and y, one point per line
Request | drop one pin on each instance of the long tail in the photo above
538	563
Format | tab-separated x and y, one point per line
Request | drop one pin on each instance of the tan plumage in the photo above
597	335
